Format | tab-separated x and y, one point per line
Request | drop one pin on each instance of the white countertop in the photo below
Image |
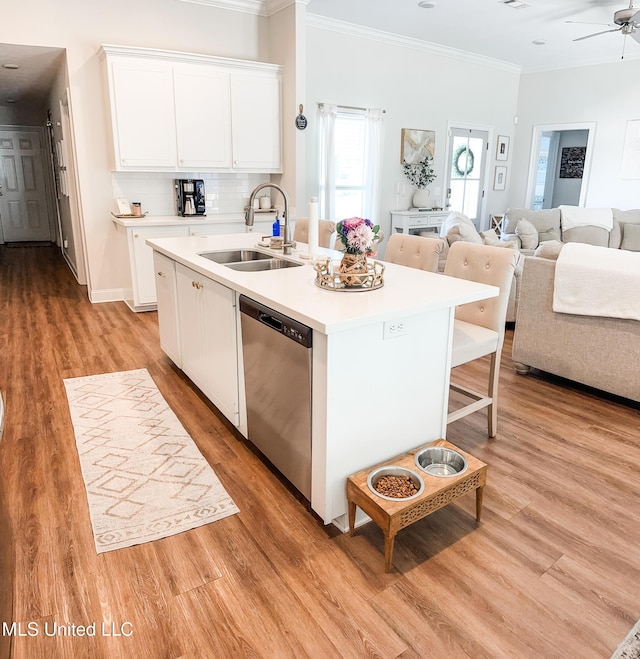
292	291
167	220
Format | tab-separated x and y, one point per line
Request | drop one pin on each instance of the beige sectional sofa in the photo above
597	351
544	237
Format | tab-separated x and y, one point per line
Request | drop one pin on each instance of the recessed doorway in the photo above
560	165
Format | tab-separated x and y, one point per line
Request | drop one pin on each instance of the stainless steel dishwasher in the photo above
277	375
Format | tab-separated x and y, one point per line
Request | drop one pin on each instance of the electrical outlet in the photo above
394	328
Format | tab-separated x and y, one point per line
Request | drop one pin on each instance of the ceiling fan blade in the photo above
589	23
636	36
635	18
596	34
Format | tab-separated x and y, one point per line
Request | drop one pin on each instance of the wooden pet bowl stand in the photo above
392	516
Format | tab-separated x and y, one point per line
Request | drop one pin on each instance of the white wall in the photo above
607	94
81	27
418	89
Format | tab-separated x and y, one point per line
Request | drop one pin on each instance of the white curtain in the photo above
373	162
327	196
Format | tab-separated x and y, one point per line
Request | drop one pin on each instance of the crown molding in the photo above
350	29
580	63
257	7
179	56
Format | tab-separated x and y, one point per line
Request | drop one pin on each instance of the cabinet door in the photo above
255	116
165	275
203	116
207	326
142	270
143	113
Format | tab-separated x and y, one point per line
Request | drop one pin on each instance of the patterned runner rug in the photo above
630	647
145	478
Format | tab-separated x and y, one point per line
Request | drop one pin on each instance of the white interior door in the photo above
466	158
23	202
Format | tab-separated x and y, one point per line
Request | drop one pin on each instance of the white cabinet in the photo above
208	341
166	287
142	113
181	112
255	121
142	294
203	118
417	221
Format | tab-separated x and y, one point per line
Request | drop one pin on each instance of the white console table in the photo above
413	221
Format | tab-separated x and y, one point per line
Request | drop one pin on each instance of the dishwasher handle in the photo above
273	323
278	322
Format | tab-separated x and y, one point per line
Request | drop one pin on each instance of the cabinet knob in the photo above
196	284
161	274
181	160
136	235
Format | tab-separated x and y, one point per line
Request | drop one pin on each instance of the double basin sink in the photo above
249	260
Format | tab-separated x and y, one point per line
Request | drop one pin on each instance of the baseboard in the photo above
107	295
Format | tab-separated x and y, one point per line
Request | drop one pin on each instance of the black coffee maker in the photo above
190	196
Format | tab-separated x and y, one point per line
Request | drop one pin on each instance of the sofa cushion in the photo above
630	237
619	218
459	227
542	220
490	237
591	235
549	249
549	234
527	233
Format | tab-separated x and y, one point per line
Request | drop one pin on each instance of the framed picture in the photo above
500	178
502	148
572	161
416	144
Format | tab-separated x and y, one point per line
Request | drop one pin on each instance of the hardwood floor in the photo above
552	571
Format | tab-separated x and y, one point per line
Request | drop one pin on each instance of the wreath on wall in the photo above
467	167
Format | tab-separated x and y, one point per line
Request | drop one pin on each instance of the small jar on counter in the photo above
136	208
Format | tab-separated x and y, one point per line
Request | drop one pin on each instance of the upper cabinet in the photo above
177	111
142	112
203	127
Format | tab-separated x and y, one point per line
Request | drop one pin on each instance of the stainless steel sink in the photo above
258	266
235	256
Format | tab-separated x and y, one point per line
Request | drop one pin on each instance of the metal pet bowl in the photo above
440	461
378	473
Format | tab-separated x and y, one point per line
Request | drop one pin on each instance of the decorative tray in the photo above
331	279
129	216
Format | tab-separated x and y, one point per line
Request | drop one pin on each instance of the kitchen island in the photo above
380	359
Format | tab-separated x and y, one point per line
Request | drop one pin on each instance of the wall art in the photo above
500	178
572	161
502	147
416	145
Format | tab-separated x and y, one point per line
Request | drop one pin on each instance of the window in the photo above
349	161
350	156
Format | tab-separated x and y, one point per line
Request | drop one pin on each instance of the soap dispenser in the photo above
276	225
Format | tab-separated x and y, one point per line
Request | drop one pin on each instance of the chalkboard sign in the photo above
301	120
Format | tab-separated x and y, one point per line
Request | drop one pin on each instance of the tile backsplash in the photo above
225	193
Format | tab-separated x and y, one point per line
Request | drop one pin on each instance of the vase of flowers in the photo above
358	237
420	175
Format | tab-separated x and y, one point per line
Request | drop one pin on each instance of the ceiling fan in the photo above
627	20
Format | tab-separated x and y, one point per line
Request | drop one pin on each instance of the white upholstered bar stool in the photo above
479	326
414	251
326	231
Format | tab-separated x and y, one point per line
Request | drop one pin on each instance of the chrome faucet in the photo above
249	214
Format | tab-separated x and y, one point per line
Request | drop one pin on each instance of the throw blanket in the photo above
597	281
576	216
